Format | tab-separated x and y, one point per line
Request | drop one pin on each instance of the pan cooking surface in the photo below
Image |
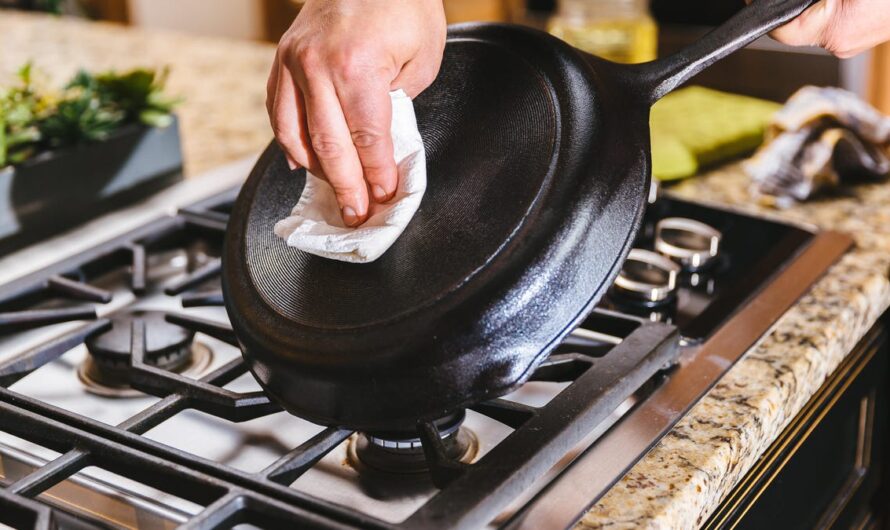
490	129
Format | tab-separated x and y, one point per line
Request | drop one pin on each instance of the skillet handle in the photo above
760	17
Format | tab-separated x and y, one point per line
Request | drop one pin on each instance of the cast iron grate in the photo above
601	374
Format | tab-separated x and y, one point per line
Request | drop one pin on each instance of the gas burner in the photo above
613	358
402	453
646	278
693	244
105	371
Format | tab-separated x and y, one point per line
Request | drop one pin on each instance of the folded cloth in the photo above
315	225
821	137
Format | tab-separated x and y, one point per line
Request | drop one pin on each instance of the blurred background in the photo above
218	54
766	69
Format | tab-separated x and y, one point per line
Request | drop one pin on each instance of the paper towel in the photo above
315	225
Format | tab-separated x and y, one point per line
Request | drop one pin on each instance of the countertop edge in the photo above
687	475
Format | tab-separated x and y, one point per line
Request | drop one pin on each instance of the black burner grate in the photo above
470	495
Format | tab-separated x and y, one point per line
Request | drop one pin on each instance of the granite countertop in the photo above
683	479
223	82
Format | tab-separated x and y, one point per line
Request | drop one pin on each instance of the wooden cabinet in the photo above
278	16
879	80
828	469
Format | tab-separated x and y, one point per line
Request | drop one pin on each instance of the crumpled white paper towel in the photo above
315	225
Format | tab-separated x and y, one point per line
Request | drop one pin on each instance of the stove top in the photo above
124	401
750	251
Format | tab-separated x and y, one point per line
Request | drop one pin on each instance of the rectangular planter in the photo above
55	191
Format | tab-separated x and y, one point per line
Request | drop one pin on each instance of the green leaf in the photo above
82	79
155	118
20	155
22	137
24	73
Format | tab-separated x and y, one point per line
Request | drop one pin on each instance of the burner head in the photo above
106	370
168	346
402	452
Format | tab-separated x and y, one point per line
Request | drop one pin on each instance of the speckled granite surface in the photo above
684	478
223	117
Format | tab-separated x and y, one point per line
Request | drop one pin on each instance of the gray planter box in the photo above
57	190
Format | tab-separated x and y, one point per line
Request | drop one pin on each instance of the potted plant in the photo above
103	141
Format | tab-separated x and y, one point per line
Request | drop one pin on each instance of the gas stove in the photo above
124	401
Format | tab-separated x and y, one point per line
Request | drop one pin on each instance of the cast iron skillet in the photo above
538	169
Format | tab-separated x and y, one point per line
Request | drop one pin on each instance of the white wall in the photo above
224	18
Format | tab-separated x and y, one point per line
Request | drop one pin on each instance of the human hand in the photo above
328	92
843	27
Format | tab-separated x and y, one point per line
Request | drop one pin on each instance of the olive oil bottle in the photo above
618	30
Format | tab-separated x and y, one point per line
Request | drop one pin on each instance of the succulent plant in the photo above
89	109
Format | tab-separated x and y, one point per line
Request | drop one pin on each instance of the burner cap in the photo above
167	345
395	452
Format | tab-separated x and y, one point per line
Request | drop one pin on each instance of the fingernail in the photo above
378	192
349	216
291	164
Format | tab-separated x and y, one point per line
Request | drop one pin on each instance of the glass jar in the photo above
618	30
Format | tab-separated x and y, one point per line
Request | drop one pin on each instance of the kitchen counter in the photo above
223	82
683	479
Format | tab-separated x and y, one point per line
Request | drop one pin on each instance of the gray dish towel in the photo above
819	139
